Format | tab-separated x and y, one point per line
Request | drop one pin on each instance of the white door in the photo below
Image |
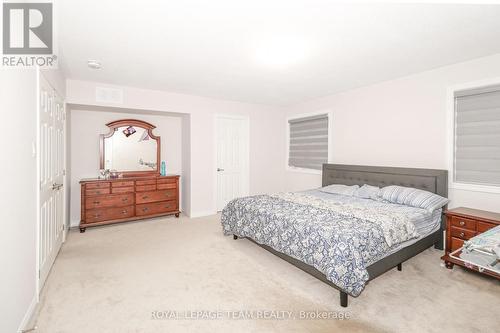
232	158
51	166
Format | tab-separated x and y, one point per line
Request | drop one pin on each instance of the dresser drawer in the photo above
484	226
124	183
463	223
156	208
462	233
154	196
96	185
97	191
166	186
103	214
129	189
166	180
109	201
145	182
456	243
143	188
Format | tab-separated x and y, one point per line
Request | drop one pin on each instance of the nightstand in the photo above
463	224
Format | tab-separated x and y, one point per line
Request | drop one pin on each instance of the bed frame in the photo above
435	181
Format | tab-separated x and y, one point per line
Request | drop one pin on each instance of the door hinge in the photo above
64	172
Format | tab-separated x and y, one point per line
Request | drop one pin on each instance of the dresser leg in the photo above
176	214
82	230
449	265
400	267
235	237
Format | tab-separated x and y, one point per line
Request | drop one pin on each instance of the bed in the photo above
342	241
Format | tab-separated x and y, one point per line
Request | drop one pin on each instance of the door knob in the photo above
219	169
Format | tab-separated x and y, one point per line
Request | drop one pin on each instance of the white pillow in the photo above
340	189
368	192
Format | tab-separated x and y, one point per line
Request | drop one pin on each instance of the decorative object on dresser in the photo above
132	187
106	201
463	224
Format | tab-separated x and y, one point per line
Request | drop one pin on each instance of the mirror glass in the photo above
130	148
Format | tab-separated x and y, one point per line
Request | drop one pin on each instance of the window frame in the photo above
450	142
329	115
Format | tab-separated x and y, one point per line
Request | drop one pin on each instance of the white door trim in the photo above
37	149
66	222
246	172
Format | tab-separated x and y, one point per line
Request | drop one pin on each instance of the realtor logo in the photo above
28	30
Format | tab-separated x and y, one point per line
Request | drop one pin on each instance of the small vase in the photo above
163	169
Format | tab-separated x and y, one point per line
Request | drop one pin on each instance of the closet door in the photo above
51	168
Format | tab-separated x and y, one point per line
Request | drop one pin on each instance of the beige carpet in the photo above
112	279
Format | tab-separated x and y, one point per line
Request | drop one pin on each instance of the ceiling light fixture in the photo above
94	64
281	52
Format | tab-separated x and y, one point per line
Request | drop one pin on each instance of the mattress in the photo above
424	221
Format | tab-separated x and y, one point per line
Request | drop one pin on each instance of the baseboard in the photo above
28	315
202	213
74	223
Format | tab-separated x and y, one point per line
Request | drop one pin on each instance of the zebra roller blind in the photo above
308	146
477	136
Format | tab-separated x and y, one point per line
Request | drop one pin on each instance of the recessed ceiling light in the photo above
94	64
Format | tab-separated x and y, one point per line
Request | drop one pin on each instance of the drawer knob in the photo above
145	197
125	199
124	212
96	202
462	234
97	215
145	209
98	192
461	222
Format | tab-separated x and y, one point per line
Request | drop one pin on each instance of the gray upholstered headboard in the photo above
435	181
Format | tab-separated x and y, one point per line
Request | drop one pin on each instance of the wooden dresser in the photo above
463	224
106	201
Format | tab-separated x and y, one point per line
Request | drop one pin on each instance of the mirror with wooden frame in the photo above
130	148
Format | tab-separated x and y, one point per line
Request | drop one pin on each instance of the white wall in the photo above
87	125
399	123
266	136
18	197
186	164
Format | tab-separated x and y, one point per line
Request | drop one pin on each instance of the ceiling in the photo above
274	52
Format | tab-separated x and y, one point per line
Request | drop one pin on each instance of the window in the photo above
308	141
477	136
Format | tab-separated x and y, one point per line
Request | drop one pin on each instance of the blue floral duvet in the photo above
339	238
